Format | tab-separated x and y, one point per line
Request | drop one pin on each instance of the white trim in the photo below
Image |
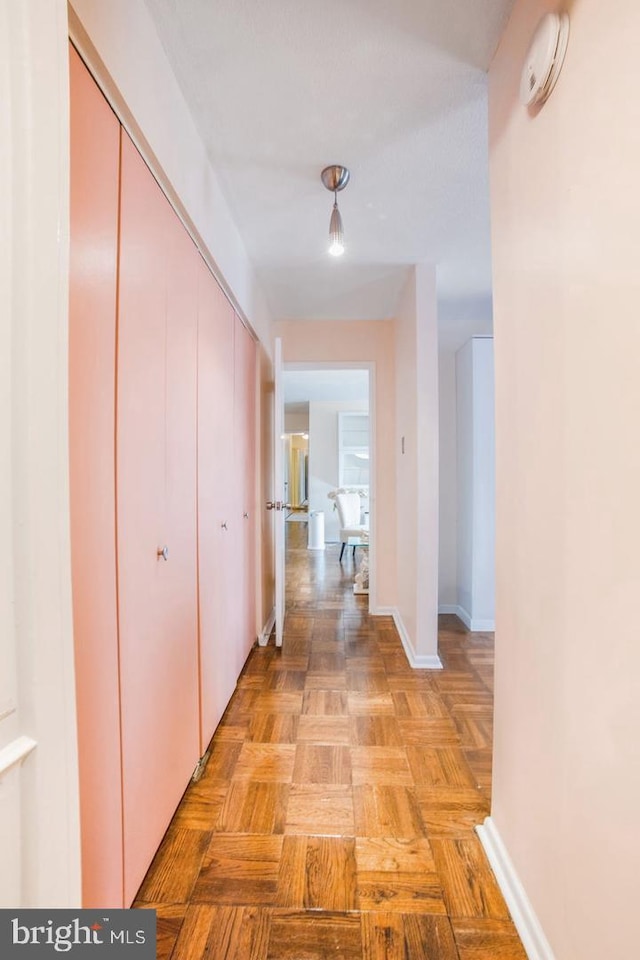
474	626
535	943
15	752
417	661
34	480
263	639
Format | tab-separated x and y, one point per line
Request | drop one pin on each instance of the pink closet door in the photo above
181	598
158	651
245	438
218	524
95	161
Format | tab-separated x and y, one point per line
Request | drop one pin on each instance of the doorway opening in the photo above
328	453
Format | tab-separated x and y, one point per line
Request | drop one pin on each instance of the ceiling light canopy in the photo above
335	178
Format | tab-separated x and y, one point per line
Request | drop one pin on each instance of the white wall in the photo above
458	321
484	485
464	473
565	209
417	467
323	458
116	38
476	484
39	816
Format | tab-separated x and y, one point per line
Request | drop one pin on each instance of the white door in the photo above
278	488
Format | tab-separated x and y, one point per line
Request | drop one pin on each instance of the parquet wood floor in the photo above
335	818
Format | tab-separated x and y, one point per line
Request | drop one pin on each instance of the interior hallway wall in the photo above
475	391
565	208
296	421
457	322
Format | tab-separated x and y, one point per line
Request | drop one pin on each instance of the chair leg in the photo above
342	551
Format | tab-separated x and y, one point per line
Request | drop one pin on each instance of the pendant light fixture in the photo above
335	178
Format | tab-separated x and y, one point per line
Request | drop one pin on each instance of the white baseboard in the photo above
535	943
418	661
471	624
263	639
382	612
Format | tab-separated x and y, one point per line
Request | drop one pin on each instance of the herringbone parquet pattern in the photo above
336	815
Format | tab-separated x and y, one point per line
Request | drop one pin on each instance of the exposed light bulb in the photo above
336	232
335	178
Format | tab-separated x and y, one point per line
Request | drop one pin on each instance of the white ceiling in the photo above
300	386
394	89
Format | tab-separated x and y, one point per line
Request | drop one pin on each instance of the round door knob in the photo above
163	552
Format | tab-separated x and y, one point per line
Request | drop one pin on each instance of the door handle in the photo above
224	525
163	552
274	505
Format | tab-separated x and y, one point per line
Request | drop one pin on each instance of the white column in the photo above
417	461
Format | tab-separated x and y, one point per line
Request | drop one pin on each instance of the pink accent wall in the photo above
95	158
565	208
351	342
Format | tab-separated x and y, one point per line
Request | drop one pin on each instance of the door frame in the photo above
38	713
370	366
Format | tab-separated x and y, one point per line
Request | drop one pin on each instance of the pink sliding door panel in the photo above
95	160
181	598
218	525
158	644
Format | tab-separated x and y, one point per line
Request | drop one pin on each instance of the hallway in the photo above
336	814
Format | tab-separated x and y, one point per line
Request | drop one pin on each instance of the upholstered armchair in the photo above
348	506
